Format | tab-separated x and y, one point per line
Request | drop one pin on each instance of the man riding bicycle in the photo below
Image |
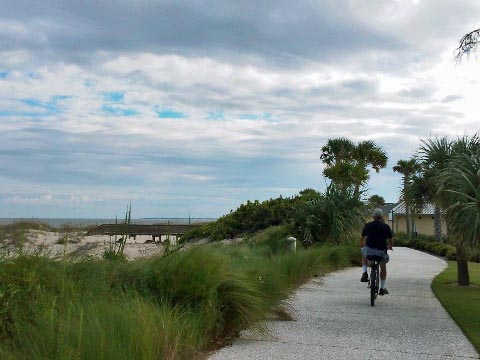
375	240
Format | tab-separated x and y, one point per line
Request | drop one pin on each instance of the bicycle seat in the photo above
374	258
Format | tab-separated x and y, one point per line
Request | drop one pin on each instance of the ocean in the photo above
59	222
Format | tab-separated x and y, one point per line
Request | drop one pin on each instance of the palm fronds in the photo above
331	218
459	194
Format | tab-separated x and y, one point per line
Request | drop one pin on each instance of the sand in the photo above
76	244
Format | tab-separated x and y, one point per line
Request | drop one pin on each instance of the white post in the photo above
292	247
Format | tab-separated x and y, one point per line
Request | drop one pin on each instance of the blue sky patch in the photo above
216	115
50	107
169	114
114	96
33	75
115	110
34	114
4	113
3	74
264	116
33	102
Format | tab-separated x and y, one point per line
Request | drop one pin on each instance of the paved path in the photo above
335	319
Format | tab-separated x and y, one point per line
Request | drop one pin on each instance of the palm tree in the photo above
468	43
337	150
337	156
375	201
407	168
347	163
434	155
459	194
418	191
367	153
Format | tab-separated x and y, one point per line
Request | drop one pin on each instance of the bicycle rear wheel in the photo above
373	285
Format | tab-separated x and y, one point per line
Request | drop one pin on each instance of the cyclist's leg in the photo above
383	278
383	272
364	263
363	250
364	266
383	268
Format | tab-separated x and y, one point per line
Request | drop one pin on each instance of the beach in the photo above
73	242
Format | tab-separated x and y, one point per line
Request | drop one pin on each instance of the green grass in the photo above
170	307
462	303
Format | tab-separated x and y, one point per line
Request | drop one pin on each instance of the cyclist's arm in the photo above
362	241
390	243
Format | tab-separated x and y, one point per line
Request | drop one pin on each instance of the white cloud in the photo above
253	119
36	200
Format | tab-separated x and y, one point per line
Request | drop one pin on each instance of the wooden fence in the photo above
133	230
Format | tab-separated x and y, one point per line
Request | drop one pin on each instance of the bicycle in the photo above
374	278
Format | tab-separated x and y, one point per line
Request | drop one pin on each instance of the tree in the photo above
434	155
418	192
337	156
375	201
407	168
442	164
459	194
347	163
468	43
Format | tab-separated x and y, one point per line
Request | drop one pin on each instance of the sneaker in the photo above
364	277
383	292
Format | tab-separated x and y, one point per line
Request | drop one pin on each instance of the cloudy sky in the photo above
197	106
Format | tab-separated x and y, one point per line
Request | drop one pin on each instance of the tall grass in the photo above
159	308
114	249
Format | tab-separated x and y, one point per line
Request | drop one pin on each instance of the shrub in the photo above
403	242
251	217
273	238
431	246
442	250
332	218
163	308
451	254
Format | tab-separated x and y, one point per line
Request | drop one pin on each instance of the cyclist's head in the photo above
377	214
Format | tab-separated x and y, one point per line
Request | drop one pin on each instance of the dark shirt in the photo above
377	233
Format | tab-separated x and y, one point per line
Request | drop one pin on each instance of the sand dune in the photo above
58	244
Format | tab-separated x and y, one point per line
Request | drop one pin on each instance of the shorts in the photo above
369	251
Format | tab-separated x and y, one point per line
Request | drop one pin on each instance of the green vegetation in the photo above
468	44
273	239
462	303
114	249
445	172
375	201
459	195
333	217
428	244
251	217
346	163
158	308
435	248
329	217
407	168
